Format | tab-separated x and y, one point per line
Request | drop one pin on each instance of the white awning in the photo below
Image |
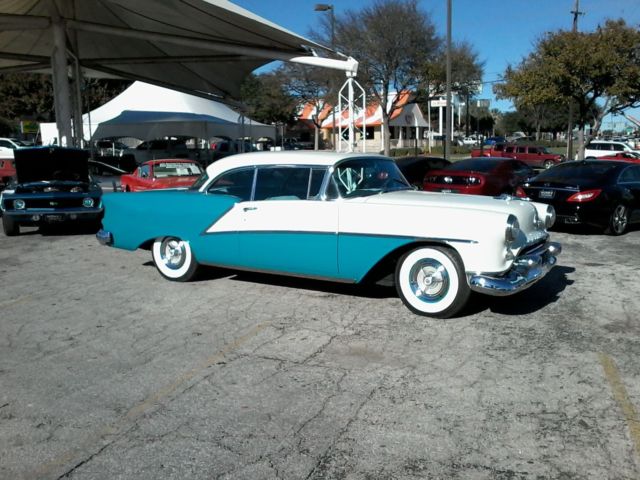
203	47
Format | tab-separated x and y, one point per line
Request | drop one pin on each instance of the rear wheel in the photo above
10	227
618	220
431	282
173	259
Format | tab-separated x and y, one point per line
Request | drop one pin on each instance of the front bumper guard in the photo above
104	237
525	271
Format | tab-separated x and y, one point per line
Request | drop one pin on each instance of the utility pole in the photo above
576	13
448	111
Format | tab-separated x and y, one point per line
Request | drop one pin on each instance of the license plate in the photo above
54	218
546	194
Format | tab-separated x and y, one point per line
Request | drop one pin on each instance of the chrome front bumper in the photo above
104	237
525	271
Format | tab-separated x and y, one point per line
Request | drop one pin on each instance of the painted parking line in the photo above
142	408
612	374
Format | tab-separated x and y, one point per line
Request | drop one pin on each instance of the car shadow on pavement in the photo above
68	229
366	289
534	298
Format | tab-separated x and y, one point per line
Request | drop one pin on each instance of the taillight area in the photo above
586	196
520	193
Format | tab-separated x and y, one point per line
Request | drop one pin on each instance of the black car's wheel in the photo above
548	164
431	282
173	259
9	226
618	220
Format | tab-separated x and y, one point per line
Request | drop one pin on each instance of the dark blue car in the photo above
52	185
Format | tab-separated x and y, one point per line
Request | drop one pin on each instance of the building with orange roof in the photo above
408	125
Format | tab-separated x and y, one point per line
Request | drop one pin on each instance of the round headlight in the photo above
87	202
550	217
19	204
512	230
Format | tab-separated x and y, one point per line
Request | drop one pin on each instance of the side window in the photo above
317	175
238	183
521	150
5	144
145	171
282	183
617	147
533	149
508	150
630	175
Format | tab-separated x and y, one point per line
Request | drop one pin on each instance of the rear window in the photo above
477	165
577	172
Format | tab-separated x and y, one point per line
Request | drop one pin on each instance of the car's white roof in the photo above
289	157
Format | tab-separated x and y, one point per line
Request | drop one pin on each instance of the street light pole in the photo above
328	7
576	12
448	111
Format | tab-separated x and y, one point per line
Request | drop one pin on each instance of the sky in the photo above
502	32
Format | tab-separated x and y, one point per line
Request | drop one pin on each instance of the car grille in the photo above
75	202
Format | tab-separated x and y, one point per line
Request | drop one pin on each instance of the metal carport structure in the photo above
202	47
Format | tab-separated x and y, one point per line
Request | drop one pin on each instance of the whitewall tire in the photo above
173	259
431	281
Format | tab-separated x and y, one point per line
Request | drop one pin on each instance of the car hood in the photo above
51	164
526	211
449	200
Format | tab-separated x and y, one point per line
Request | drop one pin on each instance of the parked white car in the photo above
8	146
343	217
603	148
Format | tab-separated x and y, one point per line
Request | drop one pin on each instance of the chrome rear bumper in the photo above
525	271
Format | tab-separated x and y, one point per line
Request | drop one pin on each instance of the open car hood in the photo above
51	164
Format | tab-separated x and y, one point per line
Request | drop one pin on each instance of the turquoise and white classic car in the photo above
339	217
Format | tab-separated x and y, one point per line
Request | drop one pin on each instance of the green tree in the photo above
599	71
267	99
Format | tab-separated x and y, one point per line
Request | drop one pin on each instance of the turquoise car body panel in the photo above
189	214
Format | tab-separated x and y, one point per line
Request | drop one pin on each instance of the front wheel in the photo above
548	164
9	226
618	220
173	259
431	282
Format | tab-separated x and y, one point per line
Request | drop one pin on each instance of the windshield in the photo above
367	176
200	181
176	169
476	165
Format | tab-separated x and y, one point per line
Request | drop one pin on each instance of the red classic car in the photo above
479	176
167	173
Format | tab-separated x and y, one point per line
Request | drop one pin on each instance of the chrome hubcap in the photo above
429	280
173	253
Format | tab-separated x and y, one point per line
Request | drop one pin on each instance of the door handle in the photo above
246	209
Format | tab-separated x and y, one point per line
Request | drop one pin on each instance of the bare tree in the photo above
391	39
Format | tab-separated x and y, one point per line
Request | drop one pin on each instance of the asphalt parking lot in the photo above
107	371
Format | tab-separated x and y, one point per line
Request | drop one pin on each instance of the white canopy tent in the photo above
177	113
